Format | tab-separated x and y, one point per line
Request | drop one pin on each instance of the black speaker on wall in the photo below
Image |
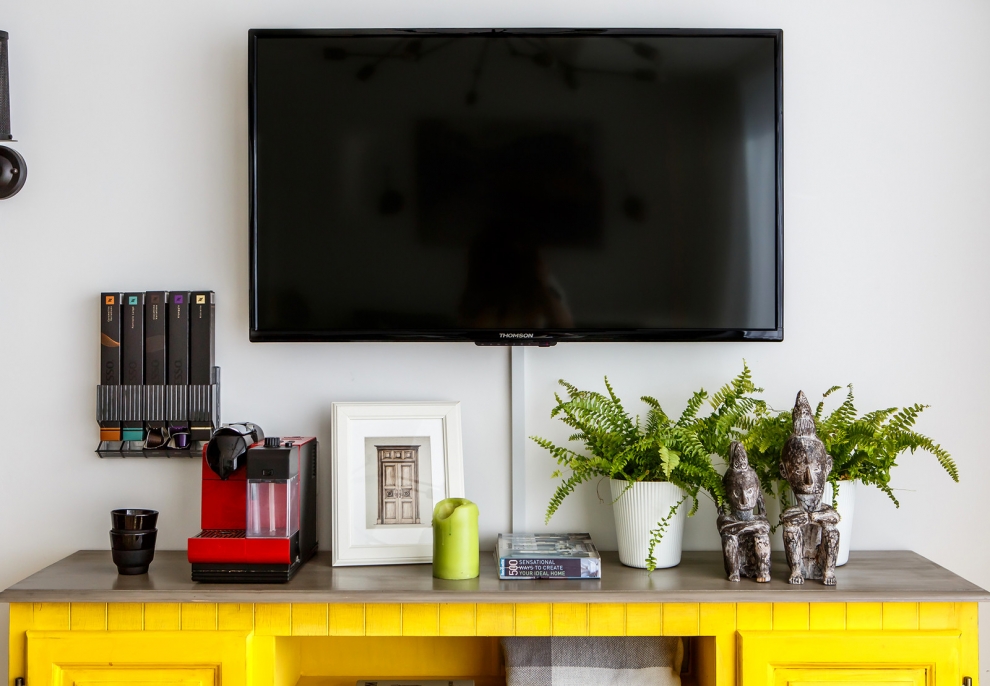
13	169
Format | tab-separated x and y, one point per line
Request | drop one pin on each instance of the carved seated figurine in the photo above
811	539
743	521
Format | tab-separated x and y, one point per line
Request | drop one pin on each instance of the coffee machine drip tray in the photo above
233	573
222	533
233	545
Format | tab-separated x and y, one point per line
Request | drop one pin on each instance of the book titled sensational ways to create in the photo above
547	556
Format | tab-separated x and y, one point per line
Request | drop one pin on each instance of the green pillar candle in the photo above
455	539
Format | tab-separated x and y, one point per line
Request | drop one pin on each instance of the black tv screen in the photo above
516	185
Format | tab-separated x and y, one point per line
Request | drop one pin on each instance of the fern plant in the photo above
862	447
622	447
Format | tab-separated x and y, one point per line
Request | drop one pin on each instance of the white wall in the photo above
133	119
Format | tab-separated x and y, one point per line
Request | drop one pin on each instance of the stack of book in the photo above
547	556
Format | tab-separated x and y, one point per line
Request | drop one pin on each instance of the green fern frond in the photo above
862	447
941	454
693	406
563	490
656	535
683	452
905	419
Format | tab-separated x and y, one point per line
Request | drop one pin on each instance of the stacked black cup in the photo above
132	540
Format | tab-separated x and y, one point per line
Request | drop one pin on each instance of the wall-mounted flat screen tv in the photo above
516	185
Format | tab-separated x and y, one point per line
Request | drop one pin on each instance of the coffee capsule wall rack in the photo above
155	420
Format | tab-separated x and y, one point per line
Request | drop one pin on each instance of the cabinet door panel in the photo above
136	658
148	675
850	677
844	658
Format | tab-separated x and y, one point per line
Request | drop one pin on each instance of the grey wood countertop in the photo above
882	576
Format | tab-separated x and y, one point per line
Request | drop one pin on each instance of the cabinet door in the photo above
136	658
845	658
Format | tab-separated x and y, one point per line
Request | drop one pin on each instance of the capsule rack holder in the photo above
193	405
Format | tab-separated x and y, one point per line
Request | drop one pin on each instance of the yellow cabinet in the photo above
845	658
332	644
136	658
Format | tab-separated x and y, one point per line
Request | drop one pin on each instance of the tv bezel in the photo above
521	336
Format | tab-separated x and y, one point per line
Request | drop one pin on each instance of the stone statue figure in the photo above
743	521
811	539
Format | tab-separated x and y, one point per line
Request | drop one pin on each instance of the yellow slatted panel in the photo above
827	616
719	621
533	619
754	616
346	619
125	616
161	616
790	616
420	619
383	619
681	619
496	619
273	619
309	619
937	616
88	616
716	619
713	660
607	619
570	619
900	616
644	619
21	617
967	615
51	617
458	619
235	616
21	621
199	616
864	616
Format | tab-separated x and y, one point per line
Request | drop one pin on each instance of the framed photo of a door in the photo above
391	463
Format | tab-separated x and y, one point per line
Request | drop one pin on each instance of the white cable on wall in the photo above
517	401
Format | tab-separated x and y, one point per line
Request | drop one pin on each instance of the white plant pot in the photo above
638	508
846	508
773	516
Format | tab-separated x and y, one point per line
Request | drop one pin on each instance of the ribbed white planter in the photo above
773	516
846	508
638	509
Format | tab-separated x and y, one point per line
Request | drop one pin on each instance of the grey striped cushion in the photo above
602	661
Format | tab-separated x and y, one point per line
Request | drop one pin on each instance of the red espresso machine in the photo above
259	507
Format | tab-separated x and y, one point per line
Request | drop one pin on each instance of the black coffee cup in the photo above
134	519
133	540
131	562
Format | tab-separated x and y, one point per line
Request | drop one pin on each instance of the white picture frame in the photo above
362	436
